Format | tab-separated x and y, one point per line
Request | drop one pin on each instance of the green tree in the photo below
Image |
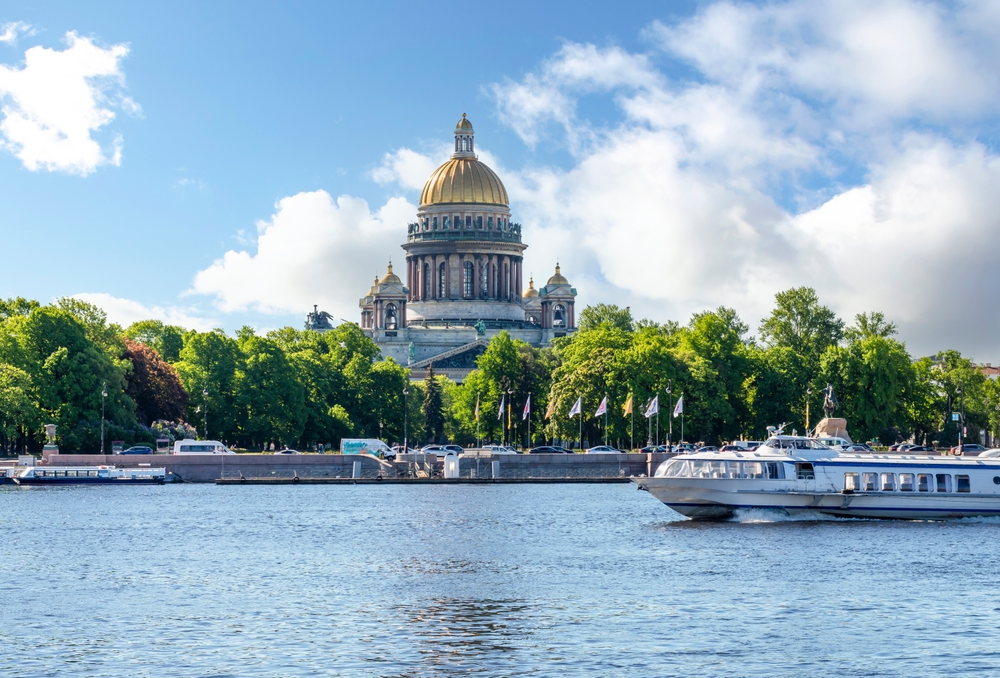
68	371
167	340
593	317
18	411
208	366
433	408
270	401
800	323
872	376
153	385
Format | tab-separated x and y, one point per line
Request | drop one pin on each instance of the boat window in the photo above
962	484
888	483
804	471
753	469
775	470
672	468
906	482
93	474
735	469
60	474
851	482
718	469
923	482
868	481
701	469
943	482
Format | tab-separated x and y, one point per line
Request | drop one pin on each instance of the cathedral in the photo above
464	276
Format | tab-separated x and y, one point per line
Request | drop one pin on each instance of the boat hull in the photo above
89	481
700	500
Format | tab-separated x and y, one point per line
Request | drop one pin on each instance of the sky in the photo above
234	163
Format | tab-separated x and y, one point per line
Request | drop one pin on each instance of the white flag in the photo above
500	413
575	410
654	407
679	409
603	407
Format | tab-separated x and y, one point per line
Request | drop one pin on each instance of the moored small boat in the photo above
89	475
796	474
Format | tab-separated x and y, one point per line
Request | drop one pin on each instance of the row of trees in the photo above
304	388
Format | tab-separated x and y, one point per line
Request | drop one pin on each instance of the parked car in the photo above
968	448
603	449
707	448
499	449
734	448
138	449
549	449
288	450
684	448
901	447
919	448
653	449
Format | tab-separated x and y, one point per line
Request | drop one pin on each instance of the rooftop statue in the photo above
319	320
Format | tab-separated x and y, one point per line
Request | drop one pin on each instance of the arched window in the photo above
499	277
468	280
390	316
442	280
559	316
427	281
444	223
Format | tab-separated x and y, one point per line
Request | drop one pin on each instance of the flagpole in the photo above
529	419
631	432
580	414
605	419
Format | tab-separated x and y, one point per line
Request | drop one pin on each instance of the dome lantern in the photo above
464	139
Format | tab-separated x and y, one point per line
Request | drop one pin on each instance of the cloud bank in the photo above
313	250
832	144
55	104
126	311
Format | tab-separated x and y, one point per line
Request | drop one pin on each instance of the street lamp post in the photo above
961	431
204	395
104	396
406	420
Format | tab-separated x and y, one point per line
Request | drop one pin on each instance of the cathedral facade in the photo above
464	277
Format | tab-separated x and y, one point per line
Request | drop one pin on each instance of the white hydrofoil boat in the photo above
797	474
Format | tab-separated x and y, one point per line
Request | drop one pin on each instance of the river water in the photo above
507	580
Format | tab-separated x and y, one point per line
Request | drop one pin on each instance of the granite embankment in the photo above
208	468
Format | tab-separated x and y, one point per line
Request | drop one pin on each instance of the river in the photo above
507	580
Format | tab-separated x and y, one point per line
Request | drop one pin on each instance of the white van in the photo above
201	447
372	446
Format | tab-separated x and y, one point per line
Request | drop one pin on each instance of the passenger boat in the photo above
796	474
89	475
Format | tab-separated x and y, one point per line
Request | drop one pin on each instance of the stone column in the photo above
449	290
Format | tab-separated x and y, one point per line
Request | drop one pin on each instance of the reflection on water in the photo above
477	580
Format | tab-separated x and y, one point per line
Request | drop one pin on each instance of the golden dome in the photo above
558	278
464	180
390	277
531	291
463	124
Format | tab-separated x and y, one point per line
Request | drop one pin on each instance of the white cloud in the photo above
690	200
126	311
868	60
11	30
58	100
409	169
314	250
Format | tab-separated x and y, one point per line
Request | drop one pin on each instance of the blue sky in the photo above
673	157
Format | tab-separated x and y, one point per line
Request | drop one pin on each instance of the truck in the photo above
372	446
